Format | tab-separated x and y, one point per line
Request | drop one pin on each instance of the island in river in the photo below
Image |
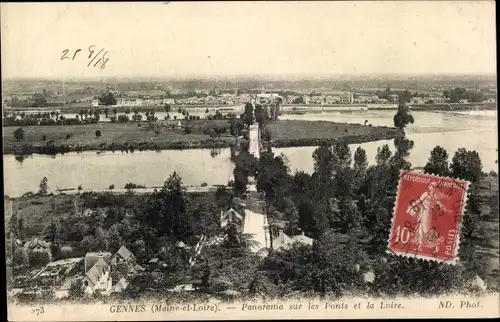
170	135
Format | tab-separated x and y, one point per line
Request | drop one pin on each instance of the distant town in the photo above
73	95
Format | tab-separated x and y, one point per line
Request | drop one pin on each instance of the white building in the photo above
393	98
346	98
417	100
231	217
170	101
282	241
98	278
95	103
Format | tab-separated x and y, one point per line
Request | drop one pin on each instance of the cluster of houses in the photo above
101	267
98	271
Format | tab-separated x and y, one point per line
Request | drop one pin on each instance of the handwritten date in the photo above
91	57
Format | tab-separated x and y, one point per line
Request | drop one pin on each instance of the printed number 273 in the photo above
37	311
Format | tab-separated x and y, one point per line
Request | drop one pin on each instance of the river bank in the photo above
298	133
58	139
239	108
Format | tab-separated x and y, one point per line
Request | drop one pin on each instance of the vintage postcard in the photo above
250	160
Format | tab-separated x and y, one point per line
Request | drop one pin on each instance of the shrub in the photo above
98	133
19	134
188	129
111	187
76	290
132	185
68	136
38	258
123	118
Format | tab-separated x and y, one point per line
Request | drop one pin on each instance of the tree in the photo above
115	240
188	129
205	279
467	165
248	115
100	241
43	186
38	258
438	162
19	134
107	99
403	116
261	114
52	232
323	161
98	133
20	257
20	227
334	263
236	126
76	290
341	155
244	166
405	97
273	179
360	160
166	210
299	100
383	155
167	108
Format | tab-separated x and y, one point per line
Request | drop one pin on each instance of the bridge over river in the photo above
255	223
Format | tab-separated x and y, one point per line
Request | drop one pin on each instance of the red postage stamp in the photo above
427	217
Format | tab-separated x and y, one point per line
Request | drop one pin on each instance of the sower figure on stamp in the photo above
424	206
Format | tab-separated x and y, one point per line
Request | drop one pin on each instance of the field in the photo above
285	130
114	134
37	212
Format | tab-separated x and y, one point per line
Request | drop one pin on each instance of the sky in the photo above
179	39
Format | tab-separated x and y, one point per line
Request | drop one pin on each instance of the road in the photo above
256	225
254	147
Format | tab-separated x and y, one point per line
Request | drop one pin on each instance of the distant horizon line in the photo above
250	76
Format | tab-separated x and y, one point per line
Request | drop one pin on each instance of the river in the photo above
472	130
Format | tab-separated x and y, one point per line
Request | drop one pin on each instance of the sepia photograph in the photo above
250	160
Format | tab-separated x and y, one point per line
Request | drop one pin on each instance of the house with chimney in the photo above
280	240
231	217
97	272
124	256
101	269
